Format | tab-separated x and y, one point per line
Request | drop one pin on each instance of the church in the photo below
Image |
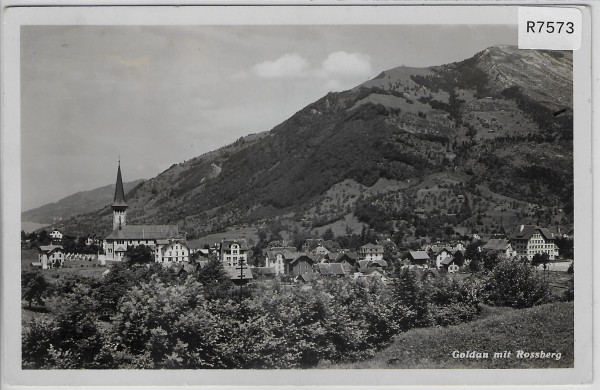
166	242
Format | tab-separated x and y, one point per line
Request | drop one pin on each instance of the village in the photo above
316	258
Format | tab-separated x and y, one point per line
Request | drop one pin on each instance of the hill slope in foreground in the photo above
547	328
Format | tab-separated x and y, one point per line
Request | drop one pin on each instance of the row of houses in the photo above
524	241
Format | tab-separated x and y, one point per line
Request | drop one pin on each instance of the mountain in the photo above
477	145
79	203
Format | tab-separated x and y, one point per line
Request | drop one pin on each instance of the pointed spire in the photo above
119	200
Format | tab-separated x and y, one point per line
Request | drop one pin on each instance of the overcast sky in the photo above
156	96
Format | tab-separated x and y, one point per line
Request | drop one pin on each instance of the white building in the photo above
234	252
527	240
56	235
51	256
370	252
171	251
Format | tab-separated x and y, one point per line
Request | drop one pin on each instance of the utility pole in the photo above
241	277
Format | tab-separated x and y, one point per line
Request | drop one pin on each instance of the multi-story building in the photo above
234	252
370	252
276	258
527	240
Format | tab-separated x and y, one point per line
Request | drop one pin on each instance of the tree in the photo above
140	254
411	302
328	235
540	258
459	258
215	280
490	259
33	287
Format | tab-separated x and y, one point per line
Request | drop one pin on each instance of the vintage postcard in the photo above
294	195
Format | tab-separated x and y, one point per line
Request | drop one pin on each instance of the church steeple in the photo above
119	205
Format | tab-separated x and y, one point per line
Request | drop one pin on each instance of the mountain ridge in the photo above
485	124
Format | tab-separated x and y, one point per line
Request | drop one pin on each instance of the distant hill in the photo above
72	205
477	145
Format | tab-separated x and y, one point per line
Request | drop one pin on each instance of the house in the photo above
277	258
370	252
527	240
320	250
499	246
348	259
300	263
332	269
371	273
239	275
234	252
449	264
172	251
93	240
441	255
51	256
123	235
418	257
56	236
367	266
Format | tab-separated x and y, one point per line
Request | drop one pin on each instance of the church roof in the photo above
144	232
119	200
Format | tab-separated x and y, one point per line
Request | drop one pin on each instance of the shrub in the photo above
515	283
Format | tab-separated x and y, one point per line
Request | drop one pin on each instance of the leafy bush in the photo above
515	283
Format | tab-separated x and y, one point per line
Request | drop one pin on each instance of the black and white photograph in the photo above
313	196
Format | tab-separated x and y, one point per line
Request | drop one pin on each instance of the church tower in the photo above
119	205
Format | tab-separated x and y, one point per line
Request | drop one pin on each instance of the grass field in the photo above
75	267
547	328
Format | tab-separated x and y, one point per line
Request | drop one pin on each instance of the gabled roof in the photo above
496	244
323	268
447	260
302	255
372	246
50	248
337	269
524	232
119	199
144	232
332	256
308	277
419	255
380	262
285	254
444	249
242	242
263	271
331	269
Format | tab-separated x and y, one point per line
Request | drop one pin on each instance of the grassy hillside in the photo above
547	328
